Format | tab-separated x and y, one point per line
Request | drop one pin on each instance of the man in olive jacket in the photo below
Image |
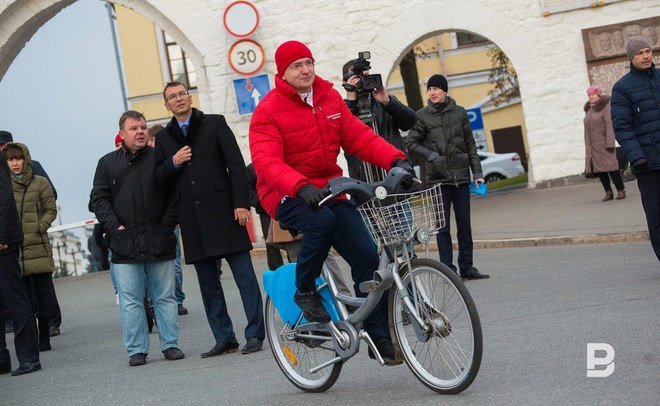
198	160
443	137
139	222
12	291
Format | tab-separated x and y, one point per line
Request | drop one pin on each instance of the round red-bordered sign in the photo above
246	57
241	18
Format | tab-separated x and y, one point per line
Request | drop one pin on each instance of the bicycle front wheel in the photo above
445	352
296	353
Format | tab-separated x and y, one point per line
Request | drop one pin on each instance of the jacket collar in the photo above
449	105
600	104
173	129
649	72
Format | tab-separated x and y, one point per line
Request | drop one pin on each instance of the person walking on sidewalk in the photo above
139	221
443	137
636	118
599	143
13	297
198	160
36	207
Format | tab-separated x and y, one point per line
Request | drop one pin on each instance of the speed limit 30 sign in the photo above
246	57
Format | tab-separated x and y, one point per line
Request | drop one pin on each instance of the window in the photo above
467	39
181	68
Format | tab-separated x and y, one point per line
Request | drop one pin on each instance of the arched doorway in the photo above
481	79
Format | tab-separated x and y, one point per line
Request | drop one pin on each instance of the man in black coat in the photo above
198	160
139	222
12	294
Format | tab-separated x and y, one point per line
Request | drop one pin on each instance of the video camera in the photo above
367	83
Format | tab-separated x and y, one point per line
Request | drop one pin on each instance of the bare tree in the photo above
503	77
410	77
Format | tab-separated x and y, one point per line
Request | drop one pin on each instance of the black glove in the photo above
311	195
640	165
433	157
403	164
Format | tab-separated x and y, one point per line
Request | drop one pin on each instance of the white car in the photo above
500	166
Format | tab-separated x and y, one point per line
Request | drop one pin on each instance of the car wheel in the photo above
492	177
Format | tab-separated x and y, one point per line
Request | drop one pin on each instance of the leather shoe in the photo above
621	194
173	354
253	344
53	331
137	359
473	273
27	368
5	368
182	310
221	348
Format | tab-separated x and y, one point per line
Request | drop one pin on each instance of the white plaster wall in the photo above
547	52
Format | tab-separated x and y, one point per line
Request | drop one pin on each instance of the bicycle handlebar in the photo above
397	181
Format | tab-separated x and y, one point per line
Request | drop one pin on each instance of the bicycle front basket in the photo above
396	218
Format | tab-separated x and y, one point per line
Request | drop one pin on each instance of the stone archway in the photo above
20	20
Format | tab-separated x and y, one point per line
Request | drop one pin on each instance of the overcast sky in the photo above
61	97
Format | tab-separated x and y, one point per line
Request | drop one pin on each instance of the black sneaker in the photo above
137	359
473	273
386	350
173	353
312	306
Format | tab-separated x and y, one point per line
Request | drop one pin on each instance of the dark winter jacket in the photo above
207	188
254	197
36	207
445	130
144	210
11	232
598	137
636	115
293	143
389	120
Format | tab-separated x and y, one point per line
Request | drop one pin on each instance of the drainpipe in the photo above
115	43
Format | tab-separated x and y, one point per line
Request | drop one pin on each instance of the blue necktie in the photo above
184	130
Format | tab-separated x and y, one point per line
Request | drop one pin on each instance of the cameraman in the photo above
389	115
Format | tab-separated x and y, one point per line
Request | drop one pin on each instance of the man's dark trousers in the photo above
337	224
14	299
459	198
649	188
213	296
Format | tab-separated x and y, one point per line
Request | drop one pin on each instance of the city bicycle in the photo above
433	321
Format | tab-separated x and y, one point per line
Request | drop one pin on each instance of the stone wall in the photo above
547	52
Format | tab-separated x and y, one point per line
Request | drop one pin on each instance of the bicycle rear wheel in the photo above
296	355
447	357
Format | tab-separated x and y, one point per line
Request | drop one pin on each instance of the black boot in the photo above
44	334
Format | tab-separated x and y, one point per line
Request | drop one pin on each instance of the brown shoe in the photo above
609	195
621	194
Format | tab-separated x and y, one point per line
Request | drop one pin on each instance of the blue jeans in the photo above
459	197
158	280
336	224
178	271
213	297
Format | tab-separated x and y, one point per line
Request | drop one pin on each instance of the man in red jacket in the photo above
296	134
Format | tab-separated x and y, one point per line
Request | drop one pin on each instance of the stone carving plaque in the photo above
605	49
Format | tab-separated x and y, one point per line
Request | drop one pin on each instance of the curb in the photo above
579	239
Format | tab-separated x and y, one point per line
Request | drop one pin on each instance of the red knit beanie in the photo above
118	139
289	52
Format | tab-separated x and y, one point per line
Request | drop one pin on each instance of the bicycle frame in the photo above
344	333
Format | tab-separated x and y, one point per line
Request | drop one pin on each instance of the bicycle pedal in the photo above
368	286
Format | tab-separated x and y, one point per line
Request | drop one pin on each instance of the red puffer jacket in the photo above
293	144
